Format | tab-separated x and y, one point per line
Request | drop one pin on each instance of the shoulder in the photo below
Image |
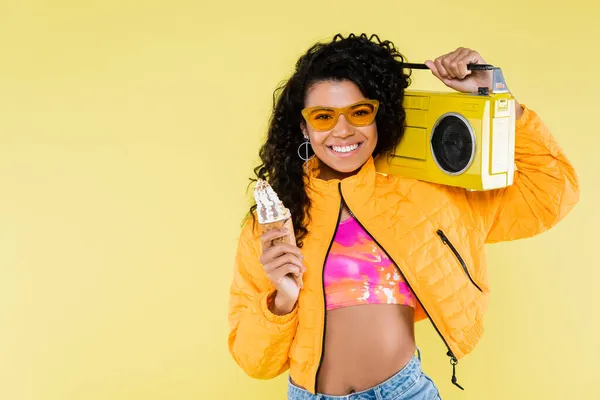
417	190
405	186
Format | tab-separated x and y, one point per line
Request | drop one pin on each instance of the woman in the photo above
377	252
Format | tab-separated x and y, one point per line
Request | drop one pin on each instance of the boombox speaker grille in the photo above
452	144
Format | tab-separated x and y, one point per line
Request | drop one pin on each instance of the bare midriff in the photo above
364	346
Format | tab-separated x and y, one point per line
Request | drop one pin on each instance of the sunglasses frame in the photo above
340	110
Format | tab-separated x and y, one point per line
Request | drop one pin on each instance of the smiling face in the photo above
344	148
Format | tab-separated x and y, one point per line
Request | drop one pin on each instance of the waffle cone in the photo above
290	238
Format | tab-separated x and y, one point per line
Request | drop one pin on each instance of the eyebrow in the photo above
324	108
355	104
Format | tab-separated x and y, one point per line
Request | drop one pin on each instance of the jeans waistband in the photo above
398	383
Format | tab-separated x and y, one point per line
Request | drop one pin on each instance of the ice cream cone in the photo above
290	238
272	214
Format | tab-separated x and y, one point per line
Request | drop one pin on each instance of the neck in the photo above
327	173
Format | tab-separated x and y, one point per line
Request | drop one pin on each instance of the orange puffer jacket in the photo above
435	235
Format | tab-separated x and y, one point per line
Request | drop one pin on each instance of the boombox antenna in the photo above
498	82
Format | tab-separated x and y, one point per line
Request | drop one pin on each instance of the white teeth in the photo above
344	149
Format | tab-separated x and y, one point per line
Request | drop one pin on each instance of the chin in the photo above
347	169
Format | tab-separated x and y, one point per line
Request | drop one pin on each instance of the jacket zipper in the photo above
447	242
324	300
453	359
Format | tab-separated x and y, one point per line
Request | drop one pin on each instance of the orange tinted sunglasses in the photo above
361	113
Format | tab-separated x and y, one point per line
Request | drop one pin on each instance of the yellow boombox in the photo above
457	139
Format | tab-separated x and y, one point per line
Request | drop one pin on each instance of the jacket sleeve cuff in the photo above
263	301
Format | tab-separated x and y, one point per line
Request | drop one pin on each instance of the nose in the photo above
342	129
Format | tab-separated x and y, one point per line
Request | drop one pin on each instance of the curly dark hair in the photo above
374	66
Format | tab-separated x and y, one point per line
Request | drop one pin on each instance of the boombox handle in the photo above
498	82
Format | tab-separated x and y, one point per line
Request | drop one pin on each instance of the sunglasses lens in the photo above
361	114
322	119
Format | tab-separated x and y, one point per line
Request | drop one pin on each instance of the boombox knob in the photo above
483	91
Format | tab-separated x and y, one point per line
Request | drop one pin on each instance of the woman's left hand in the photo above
452	70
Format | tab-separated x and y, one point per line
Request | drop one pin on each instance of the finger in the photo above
279	249
441	69
284	270
266	239
299	281
434	70
285	259
273	264
449	62
462	69
461	63
456	63
485	77
444	62
474	57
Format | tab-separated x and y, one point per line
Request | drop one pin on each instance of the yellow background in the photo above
128	130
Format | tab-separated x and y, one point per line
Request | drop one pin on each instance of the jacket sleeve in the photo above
259	340
545	187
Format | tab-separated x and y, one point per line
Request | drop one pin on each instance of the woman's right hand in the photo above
280	260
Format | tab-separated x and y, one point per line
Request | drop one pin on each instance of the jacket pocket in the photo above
447	242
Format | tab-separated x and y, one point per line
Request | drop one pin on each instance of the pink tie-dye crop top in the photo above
357	271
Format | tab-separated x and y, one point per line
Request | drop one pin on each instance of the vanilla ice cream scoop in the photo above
268	206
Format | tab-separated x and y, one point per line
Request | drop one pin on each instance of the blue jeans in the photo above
410	383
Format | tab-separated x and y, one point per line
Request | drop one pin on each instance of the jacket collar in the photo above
358	187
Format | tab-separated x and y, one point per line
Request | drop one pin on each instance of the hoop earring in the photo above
305	158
